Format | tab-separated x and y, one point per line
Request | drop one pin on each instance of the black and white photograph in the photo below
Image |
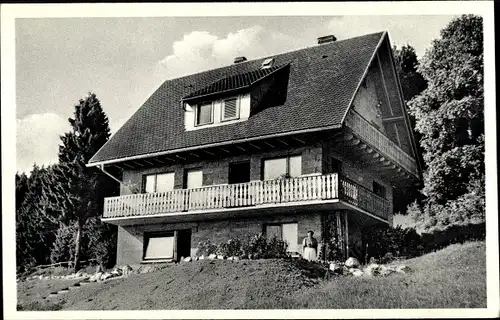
249	160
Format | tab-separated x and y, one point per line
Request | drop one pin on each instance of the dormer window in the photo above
231	109
204	114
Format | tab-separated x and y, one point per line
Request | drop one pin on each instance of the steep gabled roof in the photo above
322	82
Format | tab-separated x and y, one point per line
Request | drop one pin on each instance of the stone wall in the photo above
131	239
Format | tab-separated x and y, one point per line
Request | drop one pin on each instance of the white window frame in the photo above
197	110
223	107
148	237
155	175
287	168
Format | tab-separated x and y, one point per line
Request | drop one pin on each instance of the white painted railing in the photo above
321	187
380	141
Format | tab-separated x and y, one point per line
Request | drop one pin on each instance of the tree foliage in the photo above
449	116
412	83
77	192
35	230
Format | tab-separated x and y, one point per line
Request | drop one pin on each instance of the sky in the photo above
124	60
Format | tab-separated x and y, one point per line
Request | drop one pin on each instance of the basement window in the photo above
159	246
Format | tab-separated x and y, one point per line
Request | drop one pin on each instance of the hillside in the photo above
454	277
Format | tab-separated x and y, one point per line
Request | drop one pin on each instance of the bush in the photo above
257	246
276	248
205	248
383	240
231	248
438	239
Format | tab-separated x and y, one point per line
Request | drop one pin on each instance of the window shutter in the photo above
230	108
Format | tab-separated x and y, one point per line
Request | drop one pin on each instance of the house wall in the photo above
216	172
131	240
355	171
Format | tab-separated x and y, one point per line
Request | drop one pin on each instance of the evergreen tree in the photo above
77	192
450	118
35	229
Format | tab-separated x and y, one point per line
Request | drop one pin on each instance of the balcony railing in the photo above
251	194
377	139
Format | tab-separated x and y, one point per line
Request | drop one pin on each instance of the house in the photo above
313	139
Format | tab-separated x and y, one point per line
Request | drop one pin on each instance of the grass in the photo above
454	277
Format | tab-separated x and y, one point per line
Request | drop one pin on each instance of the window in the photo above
279	167
159	182
193	178
230	109
287	232
159	246
378	189
204	114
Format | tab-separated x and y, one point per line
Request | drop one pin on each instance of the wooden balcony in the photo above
385	149
257	194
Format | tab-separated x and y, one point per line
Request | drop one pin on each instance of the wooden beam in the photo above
226	151
255	146
194	154
128	166
283	142
208	152
298	140
241	148
265	142
138	163
182	158
393	119
158	160
149	162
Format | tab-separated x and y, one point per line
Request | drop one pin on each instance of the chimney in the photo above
239	59
326	39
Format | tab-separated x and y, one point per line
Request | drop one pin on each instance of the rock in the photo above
202	257
93	278
356	272
79	274
385	271
372	270
105	276
250	256
336	268
98	276
230	258
40	277
126	270
221	257
373	260
403	269
352	263
116	272
236	258
212	256
98	269
187	259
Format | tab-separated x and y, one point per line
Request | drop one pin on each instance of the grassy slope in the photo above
451	278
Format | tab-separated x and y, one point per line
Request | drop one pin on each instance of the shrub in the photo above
257	246
276	248
205	248
382	240
231	248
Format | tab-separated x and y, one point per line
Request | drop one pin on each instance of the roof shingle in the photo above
322	81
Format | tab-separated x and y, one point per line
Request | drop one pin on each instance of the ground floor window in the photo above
160	246
287	232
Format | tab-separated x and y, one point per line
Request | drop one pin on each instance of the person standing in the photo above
310	247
